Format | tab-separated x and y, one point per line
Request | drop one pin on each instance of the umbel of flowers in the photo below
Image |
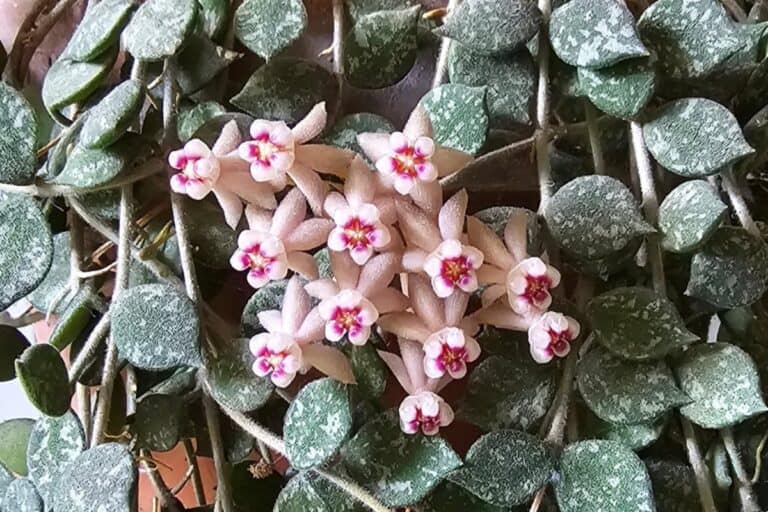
403	261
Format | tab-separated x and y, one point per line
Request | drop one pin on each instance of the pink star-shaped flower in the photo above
528	285
408	162
449	351
359	231
452	265
348	313
551	335
424	411
277	356
262	254
199	172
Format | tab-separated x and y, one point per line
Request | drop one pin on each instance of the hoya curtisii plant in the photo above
626	312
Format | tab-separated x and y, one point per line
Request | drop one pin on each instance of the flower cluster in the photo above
403	263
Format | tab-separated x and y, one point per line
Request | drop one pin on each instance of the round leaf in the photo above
156	327
638	324
113	115
190	120
268	297
689	215
158	422
267	27
505	468
621	90
43	375
159	28
458	116
604	473
12	344
231	380
674	485
69	81
21	496
19	138
695	137
99	29
14	438
56	281
723	383
594	33
93	167
624	392
634	436
317	423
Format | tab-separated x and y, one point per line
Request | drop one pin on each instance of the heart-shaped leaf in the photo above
723	383
113	115
22	496
93	167
214	15
19	139
674	485
621	90
268	297
159	28
267	27
634	436
458	116
689	215
43	375
69	81
12	344
191	119
505	468
231	380
200	62
158	422
14	438
99	29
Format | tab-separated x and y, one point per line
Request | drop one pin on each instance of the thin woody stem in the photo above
543	164
740	208
743	481
197	482
441	66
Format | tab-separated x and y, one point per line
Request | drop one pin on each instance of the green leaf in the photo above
19	138
689	215
510	82
213	241
344	132
695	137
266	27
368	369
231	380
268	297
458	116
56	281
602	475
310	491
200	62
99	30
53	444
14	438
625	392
594	33
359	8
69	81
381	48
595	216
113	115
191	119
12	344
449	497
74	318
102	478
621	90
317	423
398	468
286	89
492	27
43	375
156	326
158	422
213	15
731	270
91	167
674	485
606	266
6	478
634	436
22	496
27	247
723	383
505	468
159	28
638	324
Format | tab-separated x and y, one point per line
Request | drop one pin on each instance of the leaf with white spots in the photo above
450	497
731	270
505	468
674	485
400	469
267	27
53	444
309	491
595	216
594	33
68	81
268	297
200	62
156	327
689	215
317	423
606	266
368	368
160	28
638	324
18	137
695	137
22	496
626	392
344	132
113	115
191	119
359	8
492	26
6	478
101	478
634	436
458	116
99	29
14	439
213	15
91	167
56	281
621	90
43	375
602	476
232	382
158	422
12	344
381	48
723	383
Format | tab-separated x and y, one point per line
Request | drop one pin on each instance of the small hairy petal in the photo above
451	217
311	125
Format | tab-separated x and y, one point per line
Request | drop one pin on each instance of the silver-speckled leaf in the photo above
458	116
309	491
155	327
638	324
213	15
634	436
317	423
359	8
43	375
602	476
674	485
368	368
102	478
449	497
56	280
22	496
91	167
492	26
510	81
5	480
99	29
723	383
266	27
27	247
594	33
626	392
731	270
286	89
53	444
18	138
213	241
381	48
606	266
269	296
505	468
68	81
158	422
344	132
200	62
695	137
14	439
689	215
400	469
113	115
191	119
595	216
621	90
160	28
232	382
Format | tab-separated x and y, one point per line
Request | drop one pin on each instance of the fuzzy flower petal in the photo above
528	286
426	412
551	335
448	351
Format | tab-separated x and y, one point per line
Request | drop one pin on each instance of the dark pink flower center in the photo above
256	259
406	161
453	358
427	423
271	361
537	288
263	150
357	233
455	270
346	318
559	341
